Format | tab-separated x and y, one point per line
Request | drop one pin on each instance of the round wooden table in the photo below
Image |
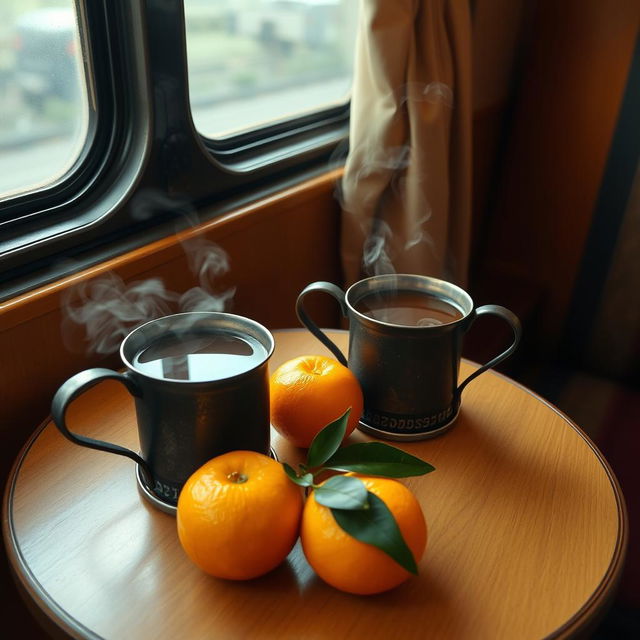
527	534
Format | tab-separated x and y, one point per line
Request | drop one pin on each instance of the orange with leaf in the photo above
239	515
356	566
361	532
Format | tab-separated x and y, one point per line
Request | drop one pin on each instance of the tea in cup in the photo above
405	344
201	388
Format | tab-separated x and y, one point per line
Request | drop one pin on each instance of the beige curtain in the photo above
406	190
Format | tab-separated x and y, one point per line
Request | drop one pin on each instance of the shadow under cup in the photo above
201	388
406	334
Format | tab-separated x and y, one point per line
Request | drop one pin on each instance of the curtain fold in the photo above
406	189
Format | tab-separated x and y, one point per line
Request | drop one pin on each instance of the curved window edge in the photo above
161	168
109	164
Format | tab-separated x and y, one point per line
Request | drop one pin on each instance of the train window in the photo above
114	160
43	98
255	63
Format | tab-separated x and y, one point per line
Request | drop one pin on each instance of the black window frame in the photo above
145	164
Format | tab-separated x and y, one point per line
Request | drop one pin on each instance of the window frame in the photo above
87	166
144	141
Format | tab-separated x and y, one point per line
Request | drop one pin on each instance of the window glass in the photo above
43	102
255	62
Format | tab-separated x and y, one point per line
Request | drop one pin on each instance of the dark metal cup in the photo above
408	374
182	423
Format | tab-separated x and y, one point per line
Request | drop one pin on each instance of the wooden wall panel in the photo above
500	31
573	80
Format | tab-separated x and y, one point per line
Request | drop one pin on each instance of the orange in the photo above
309	392
239	515
353	566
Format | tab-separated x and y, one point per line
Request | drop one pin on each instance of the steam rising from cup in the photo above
375	258
436	93
108	309
208	261
381	244
390	190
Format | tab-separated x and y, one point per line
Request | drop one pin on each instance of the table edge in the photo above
28	585
605	590
580	621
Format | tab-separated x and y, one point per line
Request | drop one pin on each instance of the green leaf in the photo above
327	441
377	526
378	459
305	480
342	492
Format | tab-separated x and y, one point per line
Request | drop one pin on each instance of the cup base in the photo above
162	505
408	437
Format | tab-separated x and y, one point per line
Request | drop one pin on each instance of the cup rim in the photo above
437	287
258	329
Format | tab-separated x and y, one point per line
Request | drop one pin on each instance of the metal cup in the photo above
408	374
182	423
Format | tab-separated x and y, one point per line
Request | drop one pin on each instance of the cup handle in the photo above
75	386
304	318
515	325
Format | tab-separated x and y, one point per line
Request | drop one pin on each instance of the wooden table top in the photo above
527	534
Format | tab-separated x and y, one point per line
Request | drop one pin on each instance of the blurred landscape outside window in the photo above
256	62
251	63
43	102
